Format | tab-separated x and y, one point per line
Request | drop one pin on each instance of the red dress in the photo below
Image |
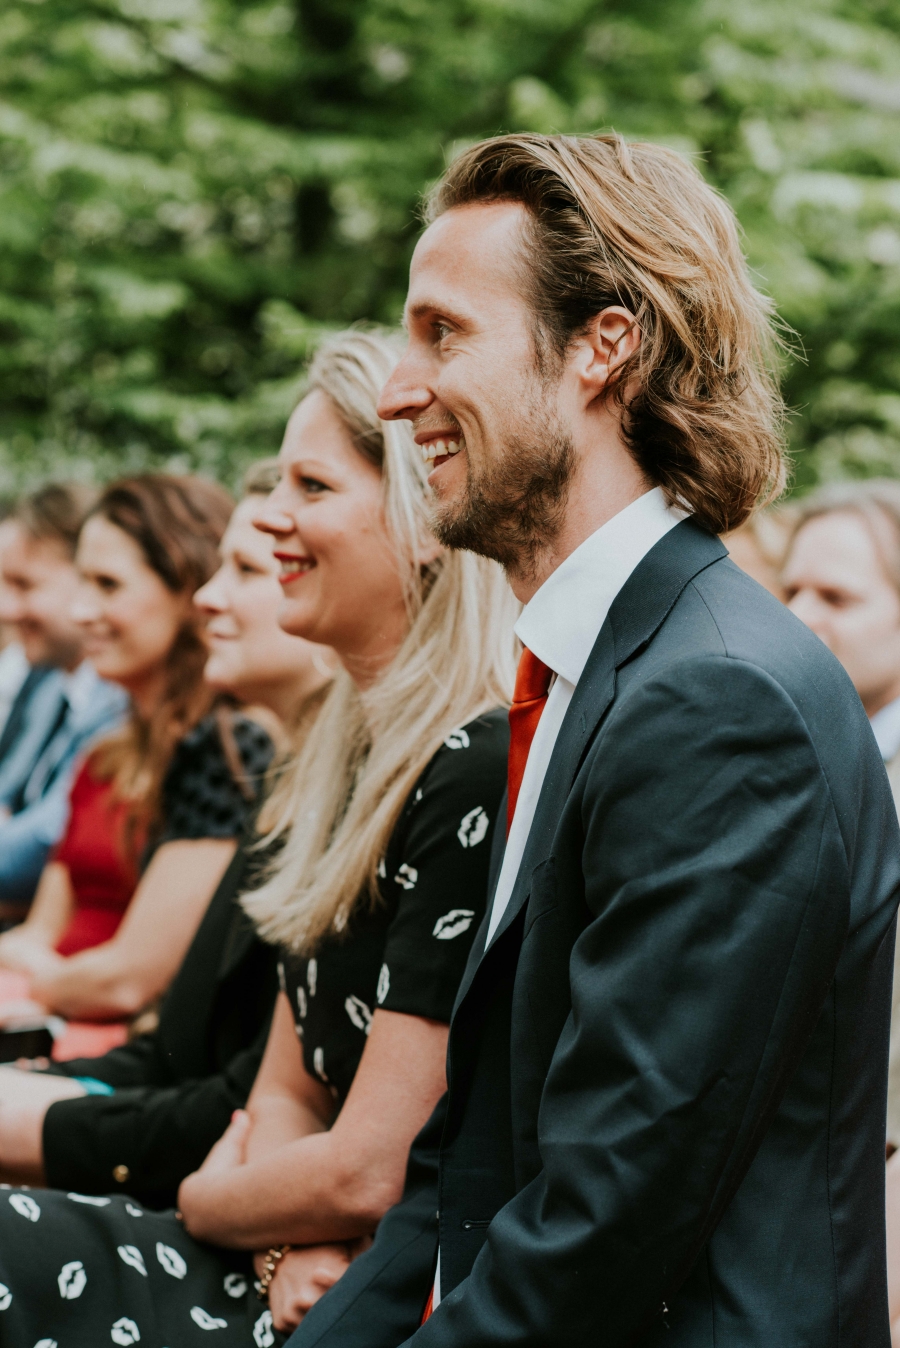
103	877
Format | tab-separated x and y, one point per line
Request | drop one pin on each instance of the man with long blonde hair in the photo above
667	1061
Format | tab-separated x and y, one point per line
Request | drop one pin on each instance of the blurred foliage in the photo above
193	189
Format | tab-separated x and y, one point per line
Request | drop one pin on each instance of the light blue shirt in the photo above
83	707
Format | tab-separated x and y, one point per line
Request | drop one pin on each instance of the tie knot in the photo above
532	677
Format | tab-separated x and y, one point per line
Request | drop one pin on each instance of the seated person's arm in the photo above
116	979
25	842
285	1103
29	947
330	1185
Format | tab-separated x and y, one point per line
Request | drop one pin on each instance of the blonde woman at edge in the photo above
386	821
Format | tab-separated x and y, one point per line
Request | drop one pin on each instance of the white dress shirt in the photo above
560	624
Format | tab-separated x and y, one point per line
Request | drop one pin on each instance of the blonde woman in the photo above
380	885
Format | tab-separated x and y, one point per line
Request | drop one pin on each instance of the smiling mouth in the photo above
435	451
292	567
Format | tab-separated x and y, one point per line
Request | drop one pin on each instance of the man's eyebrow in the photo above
423	308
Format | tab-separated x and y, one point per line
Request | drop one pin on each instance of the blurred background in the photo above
192	190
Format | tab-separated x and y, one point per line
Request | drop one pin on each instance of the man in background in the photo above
62	704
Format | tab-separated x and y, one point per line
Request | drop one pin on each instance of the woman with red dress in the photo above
156	807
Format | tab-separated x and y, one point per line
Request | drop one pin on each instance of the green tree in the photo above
191	190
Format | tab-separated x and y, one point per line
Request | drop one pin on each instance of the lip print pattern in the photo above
235	1286
302	1005
406	877
263	1335
133	1211
131	1255
453	923
384	984
72	1281
5	1298
205	1320
171	1260
312	974
359	1013
457	739
24	1206
88	1198
124	1332
473	827
46	1343
319	1064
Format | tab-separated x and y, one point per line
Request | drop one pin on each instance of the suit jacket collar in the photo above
638	612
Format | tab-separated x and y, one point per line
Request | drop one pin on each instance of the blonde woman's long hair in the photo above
336	807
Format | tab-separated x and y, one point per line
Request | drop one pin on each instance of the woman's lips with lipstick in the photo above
292	566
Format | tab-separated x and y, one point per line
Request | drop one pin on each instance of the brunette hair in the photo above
56	512
636	225
177	523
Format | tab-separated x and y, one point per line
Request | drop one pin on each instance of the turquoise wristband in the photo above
94	1087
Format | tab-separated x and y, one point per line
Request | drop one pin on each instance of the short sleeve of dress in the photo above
203	797
438	868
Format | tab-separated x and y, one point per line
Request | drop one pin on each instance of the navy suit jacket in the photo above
667	1074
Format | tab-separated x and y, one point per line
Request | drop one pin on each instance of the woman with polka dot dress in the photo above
379	885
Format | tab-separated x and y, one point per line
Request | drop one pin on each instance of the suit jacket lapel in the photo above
638	612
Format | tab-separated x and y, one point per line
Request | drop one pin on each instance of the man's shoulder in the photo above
757	629
730	653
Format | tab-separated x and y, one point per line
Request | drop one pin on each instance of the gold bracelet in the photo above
270	1267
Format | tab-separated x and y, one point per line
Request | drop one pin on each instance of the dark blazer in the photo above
667	1073
175	1089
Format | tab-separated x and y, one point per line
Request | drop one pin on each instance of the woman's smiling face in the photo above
128	616
340	577
250	654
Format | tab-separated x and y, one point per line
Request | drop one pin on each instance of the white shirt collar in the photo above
79	687
562	620
886	728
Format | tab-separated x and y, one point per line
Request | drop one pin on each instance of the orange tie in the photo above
529	700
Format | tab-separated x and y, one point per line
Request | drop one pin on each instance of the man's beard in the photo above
513	510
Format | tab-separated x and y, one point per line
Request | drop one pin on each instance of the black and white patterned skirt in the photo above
79	1272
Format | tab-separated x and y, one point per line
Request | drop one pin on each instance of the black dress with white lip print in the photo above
407	952
79	1271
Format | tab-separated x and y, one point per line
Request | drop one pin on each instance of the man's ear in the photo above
611	337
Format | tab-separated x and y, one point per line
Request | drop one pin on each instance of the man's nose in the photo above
405	395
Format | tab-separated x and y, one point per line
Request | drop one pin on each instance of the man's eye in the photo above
443	330
312	486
